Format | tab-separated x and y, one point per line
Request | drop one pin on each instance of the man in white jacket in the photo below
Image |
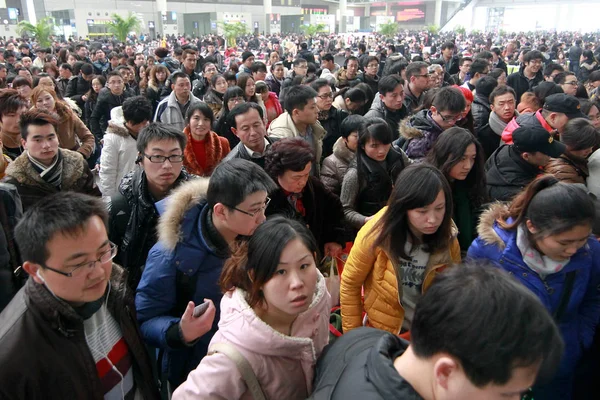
119	151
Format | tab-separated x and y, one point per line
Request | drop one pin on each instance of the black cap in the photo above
246	55
533	139
564	103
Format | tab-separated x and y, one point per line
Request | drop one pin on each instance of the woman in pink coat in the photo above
275	313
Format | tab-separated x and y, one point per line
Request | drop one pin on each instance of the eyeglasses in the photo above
574	83
105	257
326	96
422	76
254	213
236	100
449	118
175	158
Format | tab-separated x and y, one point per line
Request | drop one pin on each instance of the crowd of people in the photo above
329	217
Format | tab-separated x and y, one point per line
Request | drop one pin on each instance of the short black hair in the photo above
448	45
240	109
289	154
204	110
66	66
137	109
36	117
10	101
176	75
479	65
353	123
319	83
414	68
65	213
258	66
550	68
297	97
500	91
483	55
462	60
87	69
468	313
449	99
594	76
158	131
389	83
579	134
299	61
232	181
327	57
561	77
532	55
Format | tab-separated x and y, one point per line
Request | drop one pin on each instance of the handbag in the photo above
242	365
329	269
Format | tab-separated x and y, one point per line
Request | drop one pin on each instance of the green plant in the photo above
42	31
390	29
433	29
121	27
476	32
460	30
232	30
311	30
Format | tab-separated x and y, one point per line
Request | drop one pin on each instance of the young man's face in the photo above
570	85
250	217
68	254
259	75
504	106
10	121
301	69
26	62
394	100
466	66
190	62
448	52
100	55
445	119
116	85
307	115
352	69
324	98
139	60
41	143
114	62
533	66
82	52
162	175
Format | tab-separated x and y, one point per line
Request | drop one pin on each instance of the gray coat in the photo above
335	166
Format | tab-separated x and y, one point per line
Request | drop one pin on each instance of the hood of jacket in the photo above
240	325
173	210
414	126
23	172
485	227
118	128
342	152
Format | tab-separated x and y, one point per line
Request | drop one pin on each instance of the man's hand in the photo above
192	328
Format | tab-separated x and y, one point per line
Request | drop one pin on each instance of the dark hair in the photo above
484	55
10	101
299	61
418	185
448	45
289	154
353	123
19	81
545	89
231	92
462	60
496	73
240	109
479	65
254	263
552	207
319	83
36	117
137	109
66	66
485	86
468	313
258	67
581	92
532	55
242	80
414	68
561	77
579	134
327	57
297	97
215	78
586	105
176	75
158	131
65	213
204	110
376	129
354	94
87	69
500	91
232	181
449	99
594	76
389	83
397	68
550	68
448	151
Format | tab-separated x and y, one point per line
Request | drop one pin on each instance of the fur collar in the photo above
118	128
23	172
342	152
182	199
485	228
214	153
407	131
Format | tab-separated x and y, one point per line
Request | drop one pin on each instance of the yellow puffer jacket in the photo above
373	269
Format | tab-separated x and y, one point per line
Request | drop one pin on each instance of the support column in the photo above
437	19
161	6
31	12
268	4
343	13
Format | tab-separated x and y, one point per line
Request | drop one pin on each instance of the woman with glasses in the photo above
232	97
370	75
303	197
204	149
330	117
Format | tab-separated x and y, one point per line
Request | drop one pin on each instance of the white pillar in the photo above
268	11
437	19
31	12
343	13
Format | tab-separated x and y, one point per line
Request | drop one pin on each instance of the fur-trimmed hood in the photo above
174	208
118	128
416	125
342	152
485	228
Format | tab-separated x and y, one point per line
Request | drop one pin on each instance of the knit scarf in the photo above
539	263
214	154
52	174
497	124
323	115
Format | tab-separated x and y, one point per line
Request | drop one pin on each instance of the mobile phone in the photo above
200	309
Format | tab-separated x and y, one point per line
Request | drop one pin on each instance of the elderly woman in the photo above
302	196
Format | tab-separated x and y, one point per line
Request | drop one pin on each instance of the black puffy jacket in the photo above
507	173
481	112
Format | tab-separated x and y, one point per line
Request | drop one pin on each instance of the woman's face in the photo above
96	85
24	91
325	98
290	290
352	141
274	57
46	81
594	115
234	101
461	169
502	79
264	95
376	150
426	220
221	85
71	60
562	246
45	101
466	110
294	181
200	124
250	89
161	76
278	71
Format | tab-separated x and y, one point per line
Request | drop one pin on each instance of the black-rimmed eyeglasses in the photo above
254	213
104	257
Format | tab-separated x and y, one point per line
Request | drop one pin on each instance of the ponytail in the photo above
234	272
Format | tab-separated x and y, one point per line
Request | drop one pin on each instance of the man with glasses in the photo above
330	117
133	215
529	75
75	317
419	132
567	81
199	224
417	82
